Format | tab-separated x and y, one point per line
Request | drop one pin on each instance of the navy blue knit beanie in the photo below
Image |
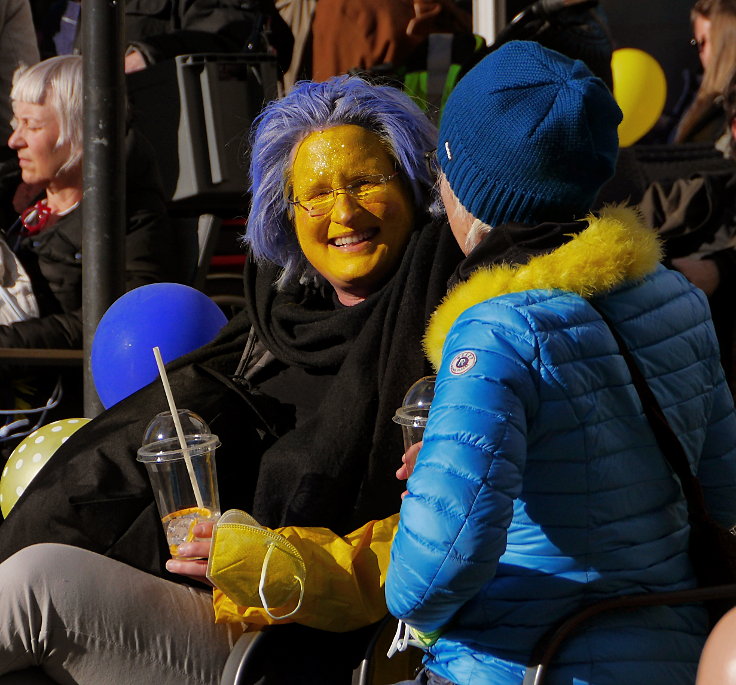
528	135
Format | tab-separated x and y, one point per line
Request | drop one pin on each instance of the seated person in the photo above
540	486
347	267
47	236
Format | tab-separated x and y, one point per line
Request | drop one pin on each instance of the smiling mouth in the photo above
353	238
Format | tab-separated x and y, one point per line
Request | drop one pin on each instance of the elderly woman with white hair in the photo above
47	236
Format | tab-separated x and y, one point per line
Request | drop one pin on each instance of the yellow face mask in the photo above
353	214
254	565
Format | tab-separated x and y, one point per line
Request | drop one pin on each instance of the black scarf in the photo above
336	471
515	244
337	468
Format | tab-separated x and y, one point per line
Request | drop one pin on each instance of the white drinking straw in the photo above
177	424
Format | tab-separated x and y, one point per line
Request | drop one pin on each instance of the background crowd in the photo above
394	166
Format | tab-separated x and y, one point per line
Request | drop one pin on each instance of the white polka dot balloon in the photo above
29	456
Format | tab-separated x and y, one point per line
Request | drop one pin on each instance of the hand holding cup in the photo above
409	459
198	551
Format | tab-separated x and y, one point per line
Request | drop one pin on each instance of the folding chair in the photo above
243	664
548	647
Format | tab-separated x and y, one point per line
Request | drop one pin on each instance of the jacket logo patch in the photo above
464	361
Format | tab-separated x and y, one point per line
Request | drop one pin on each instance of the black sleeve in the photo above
218	26
149	247
63	331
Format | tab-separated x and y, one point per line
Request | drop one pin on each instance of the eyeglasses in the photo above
365	190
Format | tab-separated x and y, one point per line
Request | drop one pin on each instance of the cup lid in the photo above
411	416
161	426
415	407
421	393
169	448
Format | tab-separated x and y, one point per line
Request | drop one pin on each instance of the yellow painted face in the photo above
359	243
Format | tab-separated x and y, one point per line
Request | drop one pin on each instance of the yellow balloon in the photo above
640	89
30	455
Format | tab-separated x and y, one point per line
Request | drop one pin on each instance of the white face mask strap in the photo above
262	585
400	641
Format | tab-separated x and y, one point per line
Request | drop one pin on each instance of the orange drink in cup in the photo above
185	493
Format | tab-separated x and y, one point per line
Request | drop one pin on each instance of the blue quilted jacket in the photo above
540	487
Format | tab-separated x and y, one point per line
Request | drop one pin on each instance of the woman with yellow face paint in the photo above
347	263
355	216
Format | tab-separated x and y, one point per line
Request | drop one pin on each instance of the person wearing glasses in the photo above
714	37
346	264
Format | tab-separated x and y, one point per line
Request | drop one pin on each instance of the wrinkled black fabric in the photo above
337	468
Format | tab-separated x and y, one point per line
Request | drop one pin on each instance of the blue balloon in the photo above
174	317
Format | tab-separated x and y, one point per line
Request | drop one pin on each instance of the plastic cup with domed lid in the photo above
413	413
181	506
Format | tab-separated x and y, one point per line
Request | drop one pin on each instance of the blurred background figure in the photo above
47	236
714	36
578	30
18	47
156	30
696	216
356	35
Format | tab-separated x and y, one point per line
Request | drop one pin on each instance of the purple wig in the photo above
283	124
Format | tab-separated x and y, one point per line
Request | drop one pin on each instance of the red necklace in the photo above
36	217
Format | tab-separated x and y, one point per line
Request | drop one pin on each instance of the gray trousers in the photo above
72	617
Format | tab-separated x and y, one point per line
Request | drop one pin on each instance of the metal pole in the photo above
103	209
489	17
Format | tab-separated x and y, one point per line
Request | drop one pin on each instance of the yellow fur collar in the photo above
615	247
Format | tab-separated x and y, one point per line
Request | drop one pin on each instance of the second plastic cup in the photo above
412	415
172	486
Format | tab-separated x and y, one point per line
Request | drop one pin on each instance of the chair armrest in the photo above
237	662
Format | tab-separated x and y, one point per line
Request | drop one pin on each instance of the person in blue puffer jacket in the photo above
539	487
